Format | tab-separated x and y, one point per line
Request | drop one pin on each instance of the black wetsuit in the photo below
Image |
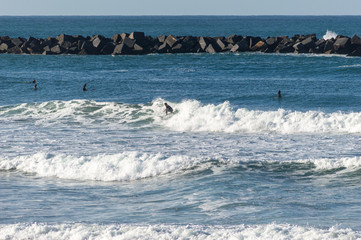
168	109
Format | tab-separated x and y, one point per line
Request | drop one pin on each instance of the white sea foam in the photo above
77	231
78	111
351	66
350	163
119	167
329	35
189	116
192	116
129	166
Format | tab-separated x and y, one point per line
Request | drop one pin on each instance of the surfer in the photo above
36	87
84	87
279	94
168	109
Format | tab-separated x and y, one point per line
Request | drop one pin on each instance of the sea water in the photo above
233	161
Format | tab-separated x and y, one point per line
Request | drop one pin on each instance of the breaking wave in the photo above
123	231
76	111
192	116
119	167
189	116
130	166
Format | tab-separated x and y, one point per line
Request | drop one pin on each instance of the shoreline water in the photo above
158	231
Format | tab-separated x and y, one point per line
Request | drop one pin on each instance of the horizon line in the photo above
185	15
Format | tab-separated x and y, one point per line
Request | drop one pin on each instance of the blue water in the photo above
247	80
233	160
263	26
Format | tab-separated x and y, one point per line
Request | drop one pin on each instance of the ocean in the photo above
233	161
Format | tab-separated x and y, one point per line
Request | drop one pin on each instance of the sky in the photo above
180	7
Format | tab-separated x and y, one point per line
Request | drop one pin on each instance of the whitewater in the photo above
125	147
82	231
189	116
233	161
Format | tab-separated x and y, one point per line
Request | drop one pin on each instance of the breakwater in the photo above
137	43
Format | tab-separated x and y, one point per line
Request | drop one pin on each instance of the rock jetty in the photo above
137	43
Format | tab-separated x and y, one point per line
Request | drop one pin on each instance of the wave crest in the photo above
189	116
194	117
128	166
119	167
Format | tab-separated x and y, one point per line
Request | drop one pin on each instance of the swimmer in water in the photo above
84	87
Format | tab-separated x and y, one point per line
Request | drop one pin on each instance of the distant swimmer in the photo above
279	94
168	109
85	89
36	87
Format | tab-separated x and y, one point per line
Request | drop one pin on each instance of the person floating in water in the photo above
168	109
279	94
36	86
84	87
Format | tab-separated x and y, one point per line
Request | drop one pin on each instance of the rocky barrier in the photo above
137	43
